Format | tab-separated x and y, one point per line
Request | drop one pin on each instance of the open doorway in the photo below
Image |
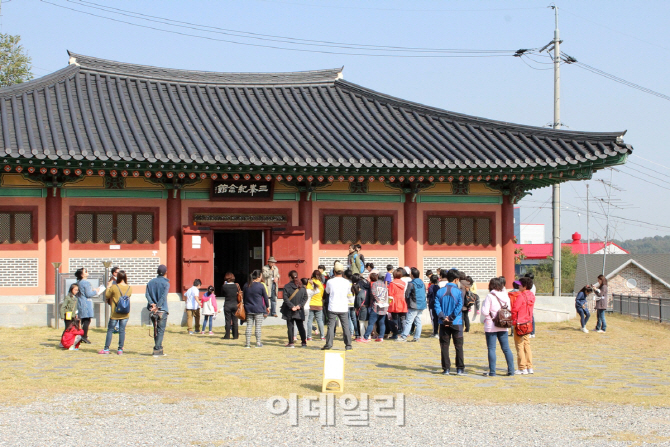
239	252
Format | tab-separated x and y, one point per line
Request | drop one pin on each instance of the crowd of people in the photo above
366	304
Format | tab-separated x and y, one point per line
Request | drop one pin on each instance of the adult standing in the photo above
338	289
157	304
315	285
601	304
493	302
110	283
582	307
448	305
433	288
113	295
84	302
378	305
293	308
271	280
415	295
229	292
193	304
398	305
522	315
256	305
534	290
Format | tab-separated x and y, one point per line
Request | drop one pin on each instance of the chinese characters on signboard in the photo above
241	190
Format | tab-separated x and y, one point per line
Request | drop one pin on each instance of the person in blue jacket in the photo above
157	303
448	307
582	306
415	295
84	303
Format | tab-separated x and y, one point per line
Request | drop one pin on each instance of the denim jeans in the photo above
533	333
206	318
601	324
319	322
354	327
504	345
413	316
160	332
584	315
374	317
122	332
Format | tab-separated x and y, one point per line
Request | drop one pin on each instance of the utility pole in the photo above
588	238
607	224
556	188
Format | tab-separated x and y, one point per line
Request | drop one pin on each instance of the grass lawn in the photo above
628	364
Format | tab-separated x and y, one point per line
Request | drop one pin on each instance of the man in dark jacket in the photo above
156	294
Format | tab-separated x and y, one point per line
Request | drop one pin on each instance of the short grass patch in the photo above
628	364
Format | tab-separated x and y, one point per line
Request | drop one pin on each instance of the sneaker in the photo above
202	333
401	339
259	345
521	372
309	338
488	374
247	346
295	338
362	340
72	348
348	348
104	351
414	340
86	340
600	331
479	312
532	335
119	352
323	338
584	330
446	372
190	332
379	340
460	372
211	333
436	336
530	371
395	337
158	353
290	345
303	344
326	348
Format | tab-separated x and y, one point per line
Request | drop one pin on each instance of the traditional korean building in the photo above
210	172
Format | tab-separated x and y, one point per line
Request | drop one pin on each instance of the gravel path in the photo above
138	420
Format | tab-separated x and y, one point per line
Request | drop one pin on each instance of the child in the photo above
69	305
209	309
389	275
193	304
71	337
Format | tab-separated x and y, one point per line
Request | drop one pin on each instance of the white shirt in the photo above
406	279
442	283
533	289
191	302
338	289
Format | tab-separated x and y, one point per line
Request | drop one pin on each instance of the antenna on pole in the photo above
556	188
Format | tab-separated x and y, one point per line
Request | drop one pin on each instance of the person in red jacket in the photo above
522	318
72	336
398	306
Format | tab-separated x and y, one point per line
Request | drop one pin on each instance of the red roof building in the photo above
543	251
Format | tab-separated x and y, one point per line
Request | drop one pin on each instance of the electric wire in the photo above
650	161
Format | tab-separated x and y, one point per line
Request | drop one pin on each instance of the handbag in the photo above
502	319
240	312
123	306
240	294
526	327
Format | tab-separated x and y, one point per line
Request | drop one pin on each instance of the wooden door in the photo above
288	247
198	256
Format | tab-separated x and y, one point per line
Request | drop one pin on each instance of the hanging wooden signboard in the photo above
241	190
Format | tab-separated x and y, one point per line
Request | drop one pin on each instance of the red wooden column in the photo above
174	258
305	221
411	234
507	217
54	237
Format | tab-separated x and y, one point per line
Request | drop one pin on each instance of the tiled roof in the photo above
96	109
590	266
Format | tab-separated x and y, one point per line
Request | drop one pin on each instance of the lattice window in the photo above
452	230
114	228
16	227
348	229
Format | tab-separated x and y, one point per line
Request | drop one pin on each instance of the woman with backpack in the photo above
84	303
292	309
119	292
495	302
522	318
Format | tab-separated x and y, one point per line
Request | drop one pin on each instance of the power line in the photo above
400	9
650	161
441	52
642	172
646	181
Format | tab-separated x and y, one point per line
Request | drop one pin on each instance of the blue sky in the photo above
627	39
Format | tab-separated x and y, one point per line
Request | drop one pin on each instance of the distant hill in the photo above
646	245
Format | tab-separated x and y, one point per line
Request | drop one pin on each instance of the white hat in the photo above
407	270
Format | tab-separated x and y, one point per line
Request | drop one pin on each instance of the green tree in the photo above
542	273
15	64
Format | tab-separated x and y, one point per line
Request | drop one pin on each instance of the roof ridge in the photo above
91	63
476	120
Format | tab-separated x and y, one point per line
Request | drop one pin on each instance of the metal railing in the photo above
650	308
